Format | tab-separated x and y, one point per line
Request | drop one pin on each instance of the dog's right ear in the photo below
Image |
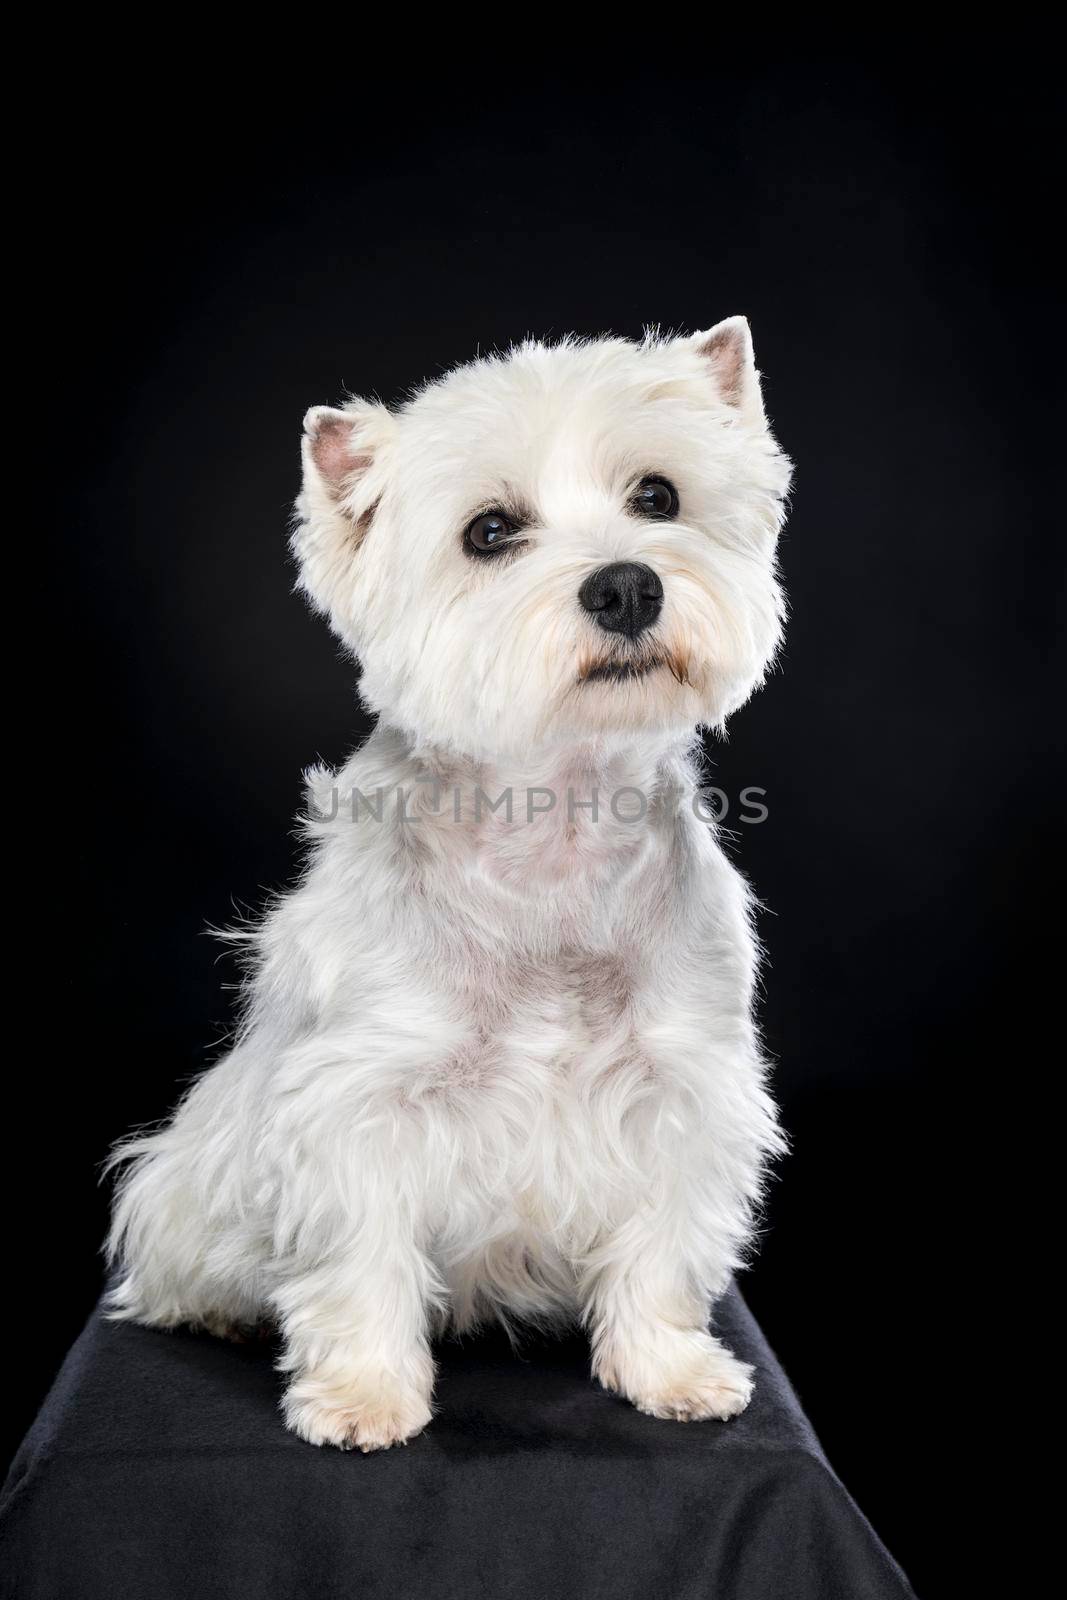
340	449
345	454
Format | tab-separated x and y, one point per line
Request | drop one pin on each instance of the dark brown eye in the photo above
655	497
490	532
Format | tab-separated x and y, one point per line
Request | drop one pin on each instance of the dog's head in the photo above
552	545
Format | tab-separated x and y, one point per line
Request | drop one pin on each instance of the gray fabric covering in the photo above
159	1469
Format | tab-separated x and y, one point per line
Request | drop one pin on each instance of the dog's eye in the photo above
490	532
655	497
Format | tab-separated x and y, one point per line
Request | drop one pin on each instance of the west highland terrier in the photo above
498	1056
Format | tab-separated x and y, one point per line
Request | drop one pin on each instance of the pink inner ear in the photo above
332	455
726	352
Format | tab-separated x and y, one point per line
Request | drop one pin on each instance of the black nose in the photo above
624	598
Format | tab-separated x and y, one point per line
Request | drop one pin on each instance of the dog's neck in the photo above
555	815
645	763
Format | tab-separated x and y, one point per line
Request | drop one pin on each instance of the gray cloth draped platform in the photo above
159	1469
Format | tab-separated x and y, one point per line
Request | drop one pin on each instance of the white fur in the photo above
493	1068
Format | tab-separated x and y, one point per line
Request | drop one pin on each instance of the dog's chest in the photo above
549	1103
544	1038
553	983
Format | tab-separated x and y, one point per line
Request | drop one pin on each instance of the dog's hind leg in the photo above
185	1244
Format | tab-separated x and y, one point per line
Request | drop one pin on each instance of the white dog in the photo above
498	1056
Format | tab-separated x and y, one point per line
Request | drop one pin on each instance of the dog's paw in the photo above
365	1421
709	1382
721	1389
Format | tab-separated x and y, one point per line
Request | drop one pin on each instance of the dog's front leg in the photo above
355	1329
648	1325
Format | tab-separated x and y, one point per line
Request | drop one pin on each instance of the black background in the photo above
209	258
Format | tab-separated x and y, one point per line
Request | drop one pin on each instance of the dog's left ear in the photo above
727	349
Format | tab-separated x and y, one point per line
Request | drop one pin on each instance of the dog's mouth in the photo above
633	668
619	671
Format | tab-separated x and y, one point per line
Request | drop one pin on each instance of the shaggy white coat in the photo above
495	1067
